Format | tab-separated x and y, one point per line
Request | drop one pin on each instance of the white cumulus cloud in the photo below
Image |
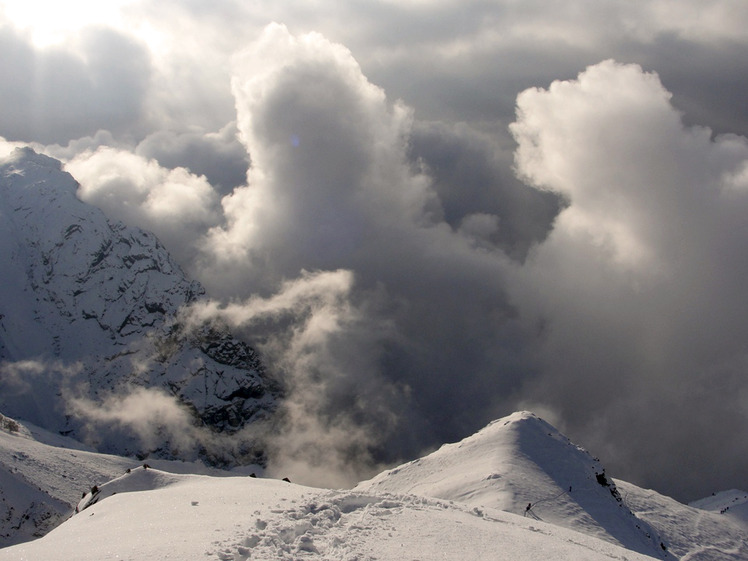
641	288
175	204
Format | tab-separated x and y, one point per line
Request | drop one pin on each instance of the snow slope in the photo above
518	461
733	503
160	516
43	476
40	483
521	460
697	532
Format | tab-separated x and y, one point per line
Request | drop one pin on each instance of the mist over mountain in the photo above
424	215
90	340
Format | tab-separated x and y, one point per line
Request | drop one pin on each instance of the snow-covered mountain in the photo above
521	461
42	475
521	464
733	503
464	501
148	514
88	314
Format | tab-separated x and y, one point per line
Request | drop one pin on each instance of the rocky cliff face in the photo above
89	308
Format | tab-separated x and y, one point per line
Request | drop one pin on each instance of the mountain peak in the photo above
519	420
522	464
25	155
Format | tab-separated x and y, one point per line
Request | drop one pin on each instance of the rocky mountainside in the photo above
88	314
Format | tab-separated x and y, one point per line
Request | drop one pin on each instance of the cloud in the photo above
454	61
469	292
324	432
64	92
175	204
154	417
478	193
7	148
218	156
29	387
151	422
322	139
639	291
332	187
312	291
712	99
412	296
101	138
17	375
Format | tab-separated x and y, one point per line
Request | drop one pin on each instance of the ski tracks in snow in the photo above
729	547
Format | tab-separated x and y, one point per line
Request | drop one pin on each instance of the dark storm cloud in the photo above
709	81
473	71
219	156
57	94
331	188
473	179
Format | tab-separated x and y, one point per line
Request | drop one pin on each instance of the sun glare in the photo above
49	22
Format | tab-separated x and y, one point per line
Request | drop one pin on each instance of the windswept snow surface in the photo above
521	460
191	517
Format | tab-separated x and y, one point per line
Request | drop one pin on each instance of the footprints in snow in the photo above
315	528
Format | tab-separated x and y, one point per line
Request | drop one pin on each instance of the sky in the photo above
427	214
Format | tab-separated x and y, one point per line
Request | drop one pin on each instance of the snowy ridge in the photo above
43	476
733	503
518	461
197	518
142	478
92	305
171	510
